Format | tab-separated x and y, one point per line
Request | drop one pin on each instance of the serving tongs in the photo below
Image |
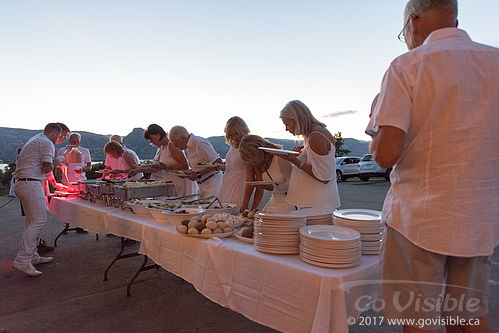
214	200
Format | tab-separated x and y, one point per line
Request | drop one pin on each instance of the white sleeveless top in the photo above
234	178
306	191
183	186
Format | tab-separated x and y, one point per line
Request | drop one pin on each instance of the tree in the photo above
338	144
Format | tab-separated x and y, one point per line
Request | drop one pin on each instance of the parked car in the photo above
368	167
346	167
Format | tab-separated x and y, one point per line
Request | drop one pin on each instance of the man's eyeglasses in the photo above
401	36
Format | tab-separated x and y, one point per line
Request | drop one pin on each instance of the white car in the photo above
346	167
368	167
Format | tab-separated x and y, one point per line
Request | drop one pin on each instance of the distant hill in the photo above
11	138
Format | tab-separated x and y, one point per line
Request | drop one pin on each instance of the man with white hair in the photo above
435	120
203	159
76	172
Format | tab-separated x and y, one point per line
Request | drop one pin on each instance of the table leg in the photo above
142	268
65	230
120	256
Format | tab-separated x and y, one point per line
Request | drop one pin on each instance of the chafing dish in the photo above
124	193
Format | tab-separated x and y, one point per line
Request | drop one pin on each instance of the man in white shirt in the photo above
35	161
78	172
435	122
200	155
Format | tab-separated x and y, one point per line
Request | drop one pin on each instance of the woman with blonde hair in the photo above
313	179
234	177
264	166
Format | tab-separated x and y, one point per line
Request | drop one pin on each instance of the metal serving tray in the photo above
125	193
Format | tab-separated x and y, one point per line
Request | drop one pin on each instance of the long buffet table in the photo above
279	291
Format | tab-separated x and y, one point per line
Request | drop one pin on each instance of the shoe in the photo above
81	231
26	268
42	260
43	247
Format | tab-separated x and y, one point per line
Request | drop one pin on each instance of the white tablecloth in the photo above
279	291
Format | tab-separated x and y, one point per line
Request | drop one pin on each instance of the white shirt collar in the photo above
446	33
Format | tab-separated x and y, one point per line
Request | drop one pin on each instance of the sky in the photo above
110	66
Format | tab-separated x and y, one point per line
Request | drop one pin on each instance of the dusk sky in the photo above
109	66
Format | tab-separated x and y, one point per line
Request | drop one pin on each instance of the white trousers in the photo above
32	197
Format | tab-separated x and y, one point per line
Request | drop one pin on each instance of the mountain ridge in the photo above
11	138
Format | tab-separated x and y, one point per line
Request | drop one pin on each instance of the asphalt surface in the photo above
71	295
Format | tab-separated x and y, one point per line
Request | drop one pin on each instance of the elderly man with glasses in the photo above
435	123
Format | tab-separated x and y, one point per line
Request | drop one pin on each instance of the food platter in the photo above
279	151
221	235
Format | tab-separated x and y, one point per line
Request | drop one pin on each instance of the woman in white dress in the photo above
168	157
265	167
234	177
313	179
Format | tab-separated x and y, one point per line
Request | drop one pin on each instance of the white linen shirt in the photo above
200	150
445	187
37	150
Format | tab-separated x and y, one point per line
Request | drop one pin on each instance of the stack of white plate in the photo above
367	222
315	217
277	233
330	246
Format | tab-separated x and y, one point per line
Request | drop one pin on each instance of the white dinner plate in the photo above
358	214
330	260
326	265
275	216
328	245
326	252
329	233
277	251
279	151
222	235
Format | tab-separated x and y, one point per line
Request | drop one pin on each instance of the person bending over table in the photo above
265	167
313	179
203	159
234	177
168	157
128	160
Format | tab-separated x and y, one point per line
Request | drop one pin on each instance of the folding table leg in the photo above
142	268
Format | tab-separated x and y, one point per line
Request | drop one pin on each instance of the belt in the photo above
27	180
202	181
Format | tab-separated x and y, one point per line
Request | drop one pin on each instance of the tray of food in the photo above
206	226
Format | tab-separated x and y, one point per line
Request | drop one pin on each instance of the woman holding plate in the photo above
234	177
168	157
265	167
313	179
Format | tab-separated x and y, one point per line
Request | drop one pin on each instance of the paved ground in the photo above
71	296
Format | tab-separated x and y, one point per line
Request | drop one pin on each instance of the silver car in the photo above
367	167
346	167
